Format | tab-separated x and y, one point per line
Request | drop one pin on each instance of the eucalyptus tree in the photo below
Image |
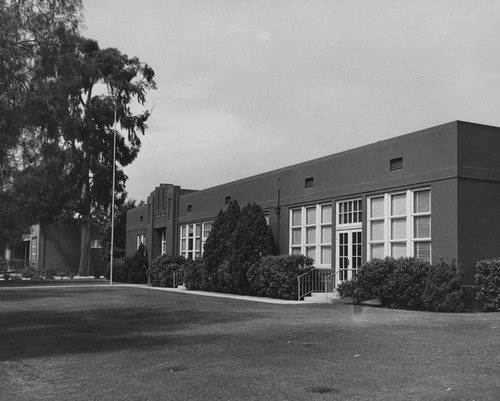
100	88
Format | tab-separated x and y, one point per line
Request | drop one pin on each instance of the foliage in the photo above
239	238
49	273
248	243
404	286
29	272
120	270
487	280
369	281
443	288
120	232
137	267
217	248
276	276
161	270
196	275
407	283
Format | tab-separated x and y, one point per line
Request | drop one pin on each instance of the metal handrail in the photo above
178	278
311	281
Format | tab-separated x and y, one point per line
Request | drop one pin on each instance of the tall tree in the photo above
94	88
27	27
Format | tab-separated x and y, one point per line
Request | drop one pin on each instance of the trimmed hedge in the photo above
161	271
487	280
407	283
276	276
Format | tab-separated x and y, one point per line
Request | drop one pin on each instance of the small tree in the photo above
217	248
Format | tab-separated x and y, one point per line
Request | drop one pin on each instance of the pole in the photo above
113	203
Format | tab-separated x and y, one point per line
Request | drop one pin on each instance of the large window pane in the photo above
311	215
398	205
377	251
326	235
296	236
398	250
377	207
398	228
377	230
296	217
326	255
422	202
311	252
311	235
422	227
423	251
326	214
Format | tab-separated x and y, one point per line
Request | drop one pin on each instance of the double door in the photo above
349	253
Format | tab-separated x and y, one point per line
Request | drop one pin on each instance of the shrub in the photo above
49	273
487	279
137	267
405	283
443	288
369	281
119	270
276	276
161	270
196	275
29	272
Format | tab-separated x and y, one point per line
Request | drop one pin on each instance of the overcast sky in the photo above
245	87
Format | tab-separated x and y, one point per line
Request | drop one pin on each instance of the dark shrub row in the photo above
487	280
130	270
408	283
271	276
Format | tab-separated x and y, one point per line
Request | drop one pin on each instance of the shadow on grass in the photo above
73	327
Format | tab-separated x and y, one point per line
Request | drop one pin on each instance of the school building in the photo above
430	194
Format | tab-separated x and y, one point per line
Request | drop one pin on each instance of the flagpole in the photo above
113	203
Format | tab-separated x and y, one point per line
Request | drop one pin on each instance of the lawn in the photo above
118	343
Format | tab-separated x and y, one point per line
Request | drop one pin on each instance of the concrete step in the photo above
322	297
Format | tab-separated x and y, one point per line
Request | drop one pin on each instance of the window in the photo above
266	217
207	227
309	183
399	225
190	241
349	212
141	218
311	233
95	243
164	242
34	249
141	240
396	164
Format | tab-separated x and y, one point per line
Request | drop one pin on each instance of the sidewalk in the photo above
104	284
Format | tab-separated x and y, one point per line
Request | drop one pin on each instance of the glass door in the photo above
349	253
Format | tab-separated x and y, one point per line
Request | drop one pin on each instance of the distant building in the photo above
58	249
430	194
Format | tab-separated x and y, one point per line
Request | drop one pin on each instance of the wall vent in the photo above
309	182
396	164
190	208
227	200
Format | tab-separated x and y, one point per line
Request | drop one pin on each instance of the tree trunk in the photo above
84	267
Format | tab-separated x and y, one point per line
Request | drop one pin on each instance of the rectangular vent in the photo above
190	208
227	200
309	183
396	164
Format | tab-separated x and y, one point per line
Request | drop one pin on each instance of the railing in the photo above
312	281
322	280
178	278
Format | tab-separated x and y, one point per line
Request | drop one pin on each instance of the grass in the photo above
118	343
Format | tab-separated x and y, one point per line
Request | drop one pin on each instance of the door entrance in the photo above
348	255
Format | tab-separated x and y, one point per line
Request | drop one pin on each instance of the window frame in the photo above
388	218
